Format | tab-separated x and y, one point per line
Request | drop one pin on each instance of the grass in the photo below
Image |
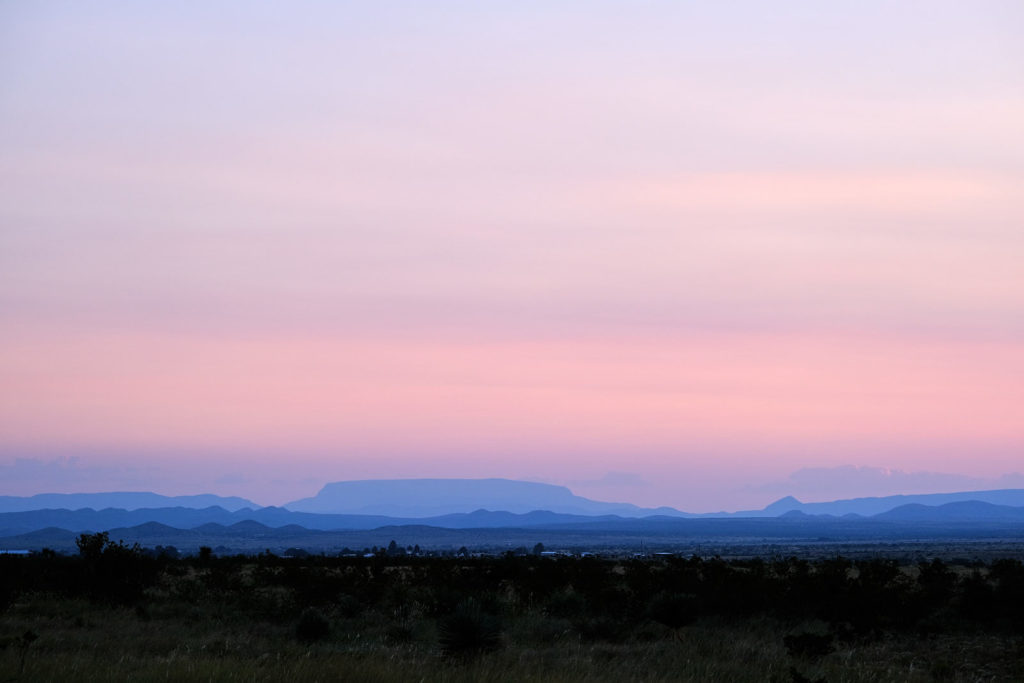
266	619
83	642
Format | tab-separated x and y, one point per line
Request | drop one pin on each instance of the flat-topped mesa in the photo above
430	497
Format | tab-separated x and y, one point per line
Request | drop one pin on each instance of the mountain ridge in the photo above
436	497
451	503
873	505
89	521
126	500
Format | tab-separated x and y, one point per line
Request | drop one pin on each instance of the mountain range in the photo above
942	525
876	505
88	519
340	512
432	497
127	500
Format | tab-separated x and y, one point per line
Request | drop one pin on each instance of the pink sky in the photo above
663	254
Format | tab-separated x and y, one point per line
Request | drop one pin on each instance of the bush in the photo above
347	606
566	604
808	645
469	631
674	610
603	629
114	572
312	626
399	633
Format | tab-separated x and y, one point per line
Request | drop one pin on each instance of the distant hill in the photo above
873	506
89	520
498	513
964	511
433	497
672	534
456	504
125	500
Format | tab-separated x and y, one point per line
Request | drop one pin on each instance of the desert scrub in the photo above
312	626
468	631
560	620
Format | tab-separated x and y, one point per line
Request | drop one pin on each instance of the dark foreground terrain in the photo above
116	612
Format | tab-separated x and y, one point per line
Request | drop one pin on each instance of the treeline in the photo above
593	598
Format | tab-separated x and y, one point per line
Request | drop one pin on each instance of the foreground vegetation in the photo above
116	613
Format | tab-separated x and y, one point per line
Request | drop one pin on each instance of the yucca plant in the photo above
312	626
468	631
21	644
673	610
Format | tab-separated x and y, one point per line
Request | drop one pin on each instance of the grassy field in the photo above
517	619
80	642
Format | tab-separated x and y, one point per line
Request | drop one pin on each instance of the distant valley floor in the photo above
724	537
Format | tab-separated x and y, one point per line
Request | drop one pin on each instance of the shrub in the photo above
674	610
347	606
399	633
566	604
21	644
808	645
603	629
312	626
469	631
114	572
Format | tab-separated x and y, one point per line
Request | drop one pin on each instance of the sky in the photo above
691	254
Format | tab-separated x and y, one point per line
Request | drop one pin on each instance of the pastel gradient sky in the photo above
662	252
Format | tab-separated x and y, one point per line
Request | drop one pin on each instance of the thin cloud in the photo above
812	484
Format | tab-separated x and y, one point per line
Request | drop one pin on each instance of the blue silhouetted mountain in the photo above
89	520
125	500
868	507
238	532
964	511
783	505
433	497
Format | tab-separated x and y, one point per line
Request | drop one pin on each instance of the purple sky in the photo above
688	254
